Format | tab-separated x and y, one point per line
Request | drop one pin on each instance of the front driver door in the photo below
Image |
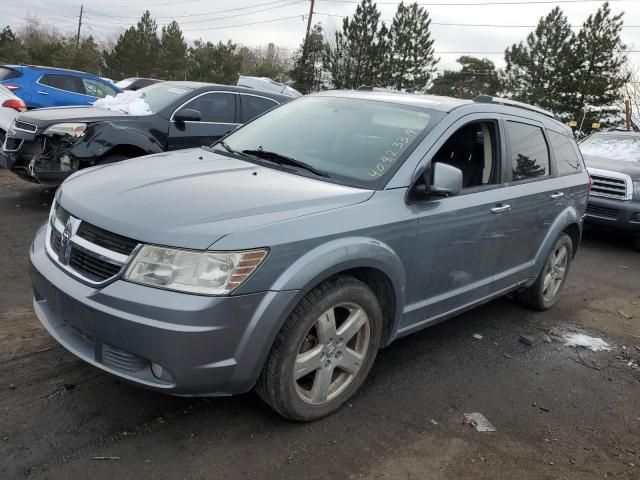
219	116
460	238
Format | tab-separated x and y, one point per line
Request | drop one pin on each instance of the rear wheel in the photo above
544	293
324	351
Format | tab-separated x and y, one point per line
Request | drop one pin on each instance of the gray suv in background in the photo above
286	255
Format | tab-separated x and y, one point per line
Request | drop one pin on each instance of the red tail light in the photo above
16	104
12	87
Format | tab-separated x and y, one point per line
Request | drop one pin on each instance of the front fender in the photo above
302	276
100	138
568	216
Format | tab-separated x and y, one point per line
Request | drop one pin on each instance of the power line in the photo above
246	24
482	4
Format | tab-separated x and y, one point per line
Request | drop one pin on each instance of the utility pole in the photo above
79	25
306	37
627	114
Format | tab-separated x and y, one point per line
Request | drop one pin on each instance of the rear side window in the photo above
253	106
8	73
529	153
63	82
567	161
215	107
97	89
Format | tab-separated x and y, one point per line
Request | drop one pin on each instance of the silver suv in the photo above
286	255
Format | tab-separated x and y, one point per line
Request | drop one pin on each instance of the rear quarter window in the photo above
567	160
529	152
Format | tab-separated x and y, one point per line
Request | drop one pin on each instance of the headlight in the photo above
71	129
207	273
636	190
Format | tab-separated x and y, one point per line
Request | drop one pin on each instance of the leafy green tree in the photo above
477	76
598	69
85	56
307	70
173	53
409	50
218	63
137	52
355	55
538	71
11	48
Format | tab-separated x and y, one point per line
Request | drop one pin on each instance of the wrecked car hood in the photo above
191	198
44	117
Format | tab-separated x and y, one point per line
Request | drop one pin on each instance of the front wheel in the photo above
544	293
324	351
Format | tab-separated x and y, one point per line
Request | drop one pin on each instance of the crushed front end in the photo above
41	155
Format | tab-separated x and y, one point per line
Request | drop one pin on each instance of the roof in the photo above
434	102
618	133
39	67
231	88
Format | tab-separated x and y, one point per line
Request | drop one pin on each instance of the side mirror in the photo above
447	181
187	115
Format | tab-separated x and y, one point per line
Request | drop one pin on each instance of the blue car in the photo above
41	87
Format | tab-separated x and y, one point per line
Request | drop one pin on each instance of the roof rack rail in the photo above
513	103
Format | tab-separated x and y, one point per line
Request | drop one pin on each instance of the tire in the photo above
544	293
328	372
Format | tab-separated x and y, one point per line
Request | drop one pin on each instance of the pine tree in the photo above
11	48
218	63
538	71
410	61
355	55
173	53
137	52
478	76
598	71
307	69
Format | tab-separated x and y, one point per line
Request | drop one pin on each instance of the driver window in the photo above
474	150
215	107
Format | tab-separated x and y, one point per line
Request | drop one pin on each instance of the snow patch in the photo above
130	102
627	149
585	341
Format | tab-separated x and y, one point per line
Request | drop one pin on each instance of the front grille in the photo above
92	267
24	126
84	250
603	212
120	360
611	187
112	241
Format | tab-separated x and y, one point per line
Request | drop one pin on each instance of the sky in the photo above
258	22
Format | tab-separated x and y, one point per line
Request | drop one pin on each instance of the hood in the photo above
191	198
44	117
620	166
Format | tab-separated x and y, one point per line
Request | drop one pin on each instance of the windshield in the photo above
614	147
358	141
146	101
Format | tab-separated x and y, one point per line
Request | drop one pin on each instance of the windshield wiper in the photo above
227	147
284	160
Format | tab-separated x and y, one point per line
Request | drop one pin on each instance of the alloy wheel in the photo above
555	273
332	353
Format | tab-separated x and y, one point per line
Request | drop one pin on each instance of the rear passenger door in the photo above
58	90
219	116
252	106
535	199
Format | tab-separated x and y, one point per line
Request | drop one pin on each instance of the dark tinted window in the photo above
529	154
63	82
253	106
8	73
215	107
567	160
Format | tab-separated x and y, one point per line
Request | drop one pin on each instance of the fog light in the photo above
160	373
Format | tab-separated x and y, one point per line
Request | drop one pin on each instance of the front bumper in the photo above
618	214
208	345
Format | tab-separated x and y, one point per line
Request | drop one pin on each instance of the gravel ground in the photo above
559	412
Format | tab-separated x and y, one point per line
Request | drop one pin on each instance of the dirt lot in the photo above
560	413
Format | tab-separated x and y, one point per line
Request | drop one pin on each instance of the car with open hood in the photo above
48	145
284	256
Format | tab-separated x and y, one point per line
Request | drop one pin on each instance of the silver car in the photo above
283	257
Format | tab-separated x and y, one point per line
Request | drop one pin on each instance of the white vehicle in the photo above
10	107
265	84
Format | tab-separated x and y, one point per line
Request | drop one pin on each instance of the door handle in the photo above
501	208
557	195
42	93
